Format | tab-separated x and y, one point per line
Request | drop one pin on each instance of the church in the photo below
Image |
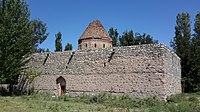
96	67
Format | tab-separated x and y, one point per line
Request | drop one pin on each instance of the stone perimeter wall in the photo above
141	71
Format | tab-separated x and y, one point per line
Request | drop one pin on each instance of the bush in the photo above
193	99
176	98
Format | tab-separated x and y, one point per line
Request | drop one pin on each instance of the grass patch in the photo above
100	103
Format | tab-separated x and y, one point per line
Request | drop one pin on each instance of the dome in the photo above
95	33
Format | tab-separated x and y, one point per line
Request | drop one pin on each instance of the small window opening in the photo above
104	64
85	45
95	45
104	46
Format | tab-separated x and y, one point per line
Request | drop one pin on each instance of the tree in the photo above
47	50
39	32
42	50
18	38
114	35
127	39
144	39
197	29
181	45
194	58
58	42
68	47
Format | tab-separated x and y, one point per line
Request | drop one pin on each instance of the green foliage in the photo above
181	45
144	39
47	50
128	39
114	35
42	50
176	98
183	103
102	102
197	26
39	32
58	42
32	74
187	48
26	103
195	54
68	47
99	98
16	38
19	36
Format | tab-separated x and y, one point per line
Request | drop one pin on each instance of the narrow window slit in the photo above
45	59
71	57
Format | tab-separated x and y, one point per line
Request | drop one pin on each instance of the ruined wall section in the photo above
137	70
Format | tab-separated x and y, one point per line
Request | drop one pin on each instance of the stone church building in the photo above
140	70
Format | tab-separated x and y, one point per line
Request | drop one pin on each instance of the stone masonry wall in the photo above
141	71
173	70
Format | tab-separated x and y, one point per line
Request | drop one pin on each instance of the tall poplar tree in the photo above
195	55
58	42
114	35
197	29
181	45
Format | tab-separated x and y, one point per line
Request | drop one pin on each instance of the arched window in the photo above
86	45
104	45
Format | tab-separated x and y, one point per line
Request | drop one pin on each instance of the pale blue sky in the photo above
71	17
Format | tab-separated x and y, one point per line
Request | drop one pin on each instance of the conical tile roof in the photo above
95	30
